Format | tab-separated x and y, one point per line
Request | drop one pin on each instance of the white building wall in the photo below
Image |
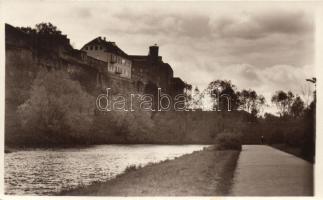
115	64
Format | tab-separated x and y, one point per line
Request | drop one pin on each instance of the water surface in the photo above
48	171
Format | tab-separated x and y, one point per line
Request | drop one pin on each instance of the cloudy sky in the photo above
262	46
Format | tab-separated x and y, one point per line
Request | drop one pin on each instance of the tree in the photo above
47	29
188	94
261	102
251	102
57	106
297	107
197	99
28	30
43	29
223	92
245	100
283	101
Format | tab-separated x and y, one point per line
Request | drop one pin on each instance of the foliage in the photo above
47	29
57	106
131	168
223	92
251	102
297	107
42	29
283	101
196	99
229	140
188	95
123	126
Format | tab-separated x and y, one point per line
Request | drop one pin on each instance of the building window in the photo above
96	47
113	58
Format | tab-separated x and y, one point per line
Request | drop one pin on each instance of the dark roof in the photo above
138	57
110	46
178	81
142	57
169	68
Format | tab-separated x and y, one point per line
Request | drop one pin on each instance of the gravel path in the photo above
265	171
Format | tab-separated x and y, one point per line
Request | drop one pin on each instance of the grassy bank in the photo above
203	173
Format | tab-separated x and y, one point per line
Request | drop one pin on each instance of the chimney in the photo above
104	38
153	51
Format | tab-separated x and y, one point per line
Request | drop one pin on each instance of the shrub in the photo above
131	168
228	141
58	107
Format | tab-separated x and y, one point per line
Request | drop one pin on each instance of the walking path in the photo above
265	171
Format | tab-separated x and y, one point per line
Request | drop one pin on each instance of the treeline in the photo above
59	111
292	129
222	95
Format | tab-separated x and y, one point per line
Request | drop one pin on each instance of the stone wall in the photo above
26	55
24	60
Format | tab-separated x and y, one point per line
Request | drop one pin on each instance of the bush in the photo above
228	141
131	168
58	108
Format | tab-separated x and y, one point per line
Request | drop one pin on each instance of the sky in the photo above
262	46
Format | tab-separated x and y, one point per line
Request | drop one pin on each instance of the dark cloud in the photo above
264	47
189	25
84	13
195	26
294	22
258	25
248	25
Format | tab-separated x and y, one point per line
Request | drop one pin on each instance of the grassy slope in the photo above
204	173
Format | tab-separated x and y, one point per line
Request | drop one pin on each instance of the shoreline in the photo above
208	172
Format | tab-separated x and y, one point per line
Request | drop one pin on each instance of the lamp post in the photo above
312	80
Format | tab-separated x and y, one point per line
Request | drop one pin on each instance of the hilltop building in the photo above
152	69
118	62
99	64
144	70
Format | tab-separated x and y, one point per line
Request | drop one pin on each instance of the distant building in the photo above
151	69
100	64
118	62
146	72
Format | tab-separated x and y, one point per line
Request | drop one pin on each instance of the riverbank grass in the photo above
203	173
